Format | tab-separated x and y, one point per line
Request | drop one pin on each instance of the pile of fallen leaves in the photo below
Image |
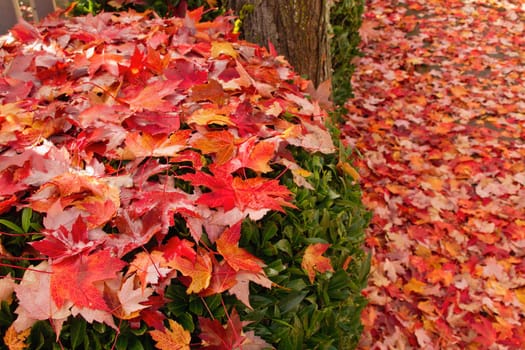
133	151
439	117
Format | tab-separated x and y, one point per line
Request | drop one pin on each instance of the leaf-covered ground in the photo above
439	119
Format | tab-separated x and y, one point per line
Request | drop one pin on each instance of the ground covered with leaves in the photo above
439	118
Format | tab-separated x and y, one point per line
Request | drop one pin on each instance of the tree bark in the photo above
297	28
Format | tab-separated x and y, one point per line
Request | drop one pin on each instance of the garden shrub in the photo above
163	183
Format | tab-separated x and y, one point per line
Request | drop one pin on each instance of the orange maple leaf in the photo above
210	91
14	340
175	338
96	196
238	258
199	270
144	145
314	261
147	267
256	155
221	143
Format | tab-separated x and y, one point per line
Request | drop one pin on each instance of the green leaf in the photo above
27	214
140	331
135	344
77	332
12	226
122	342
186	321
284	246
269	232
291	301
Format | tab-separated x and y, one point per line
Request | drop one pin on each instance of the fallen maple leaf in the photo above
241	288
174	338
80	273
221	143
211	91
254	342
139	144
222	48
256	155
152	96
222	279
253	195
238	258
81	191
35	301
199	270
368	31
147	266
16	340
62	243
215	336
7	287
131	298
314	261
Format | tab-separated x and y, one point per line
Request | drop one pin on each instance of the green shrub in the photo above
345	19
325	314
67	123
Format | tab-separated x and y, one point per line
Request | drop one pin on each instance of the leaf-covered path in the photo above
439	119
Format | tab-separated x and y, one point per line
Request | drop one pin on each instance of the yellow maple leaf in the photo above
415	286
520	295
209	116
14	340
222	47
349	170
174	338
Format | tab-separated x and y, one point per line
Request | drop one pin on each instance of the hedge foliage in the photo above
297	312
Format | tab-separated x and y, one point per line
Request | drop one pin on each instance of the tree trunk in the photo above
297	28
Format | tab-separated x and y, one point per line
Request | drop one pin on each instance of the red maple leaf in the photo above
151	97
247	120
222	278
229	192
62	243
152	316
255	154
75	279
215	336
188	73
6	204
179	247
